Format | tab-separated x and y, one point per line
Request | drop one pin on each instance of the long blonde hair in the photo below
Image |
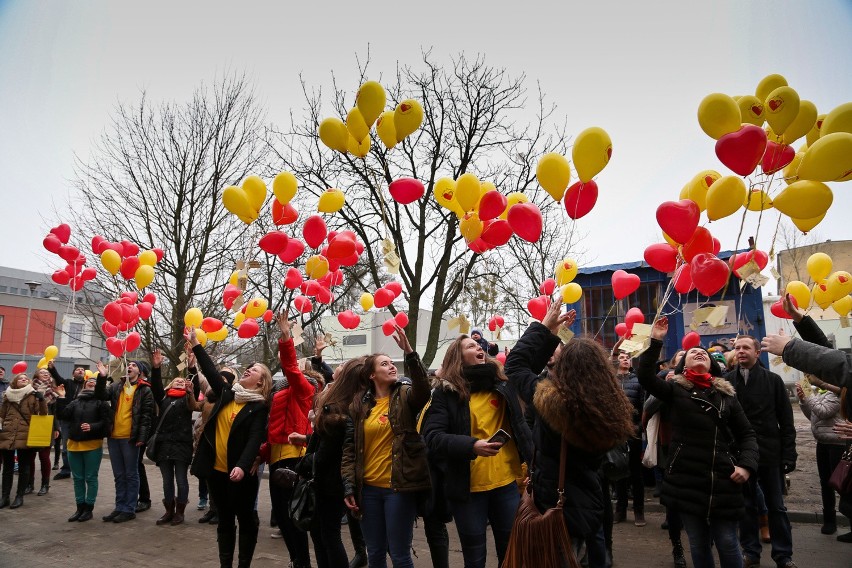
265	388
453	365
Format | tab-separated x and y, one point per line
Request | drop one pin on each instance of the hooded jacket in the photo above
18	407
86	409
143	409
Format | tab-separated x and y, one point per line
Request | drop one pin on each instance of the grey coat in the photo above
831	365
823	410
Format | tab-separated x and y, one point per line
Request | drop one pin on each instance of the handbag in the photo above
40	432
151	450
303	503
841	477
541	539
616	462
649	459
284	477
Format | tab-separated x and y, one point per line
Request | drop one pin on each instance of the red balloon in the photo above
128	298
112	313
211	325
406	190
547	287
61	277
160	253
690	340
341	246
678	219
68	253
89	273
776	157
62	232
701	241
742	150
479	246
115	346
633	316
229	294
314	231
117	247
303	304
145	310
108	329
389	327
709	273
349	319
497	232
492	205
268	315
132	341
394	287
98	244
19	367
499	321
129	266
777	309
150	297
52	243
283	214
537	307
624	284
336	279
293	279
683	279
273	242
129	312
348	261
581	198
294	250
401	319
130	249
741	259
501	357
76	283
525	220
717	246
383	298
662	257
324	295
621	330
248	329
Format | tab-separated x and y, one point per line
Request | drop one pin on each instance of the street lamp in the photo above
32	286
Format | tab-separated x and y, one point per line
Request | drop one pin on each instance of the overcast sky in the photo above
637	70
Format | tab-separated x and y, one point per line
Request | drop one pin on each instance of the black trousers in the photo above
25	457
295	539
235	502
634	481
325	534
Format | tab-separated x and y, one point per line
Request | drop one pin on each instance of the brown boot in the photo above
169	514
179	509
764	528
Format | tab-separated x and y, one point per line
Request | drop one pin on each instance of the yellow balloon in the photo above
111	260
769	84
806	225
331	201
50	352
234	279
839	284
821	296
144	276
782	106
725	196
513	199
370	100
315	267
42	363
804	199
828	159
467	191
445	194
484	187
148	257
670	240
803	123
565	271
386	130
193	317
407	118
591	152
334	134
360	150
239	318
571	293
257	306
255	189
838	120
220	335
813	134
357	125
758	200
751	110
819	266
284	187
791	170
471	227
236	201
553	174
843	306
699	185
366	301
800	291
201	336
719	114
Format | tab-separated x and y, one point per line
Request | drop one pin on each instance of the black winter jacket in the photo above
767	406
174	432
635	394
72	388
89	410
446	429
144	409
323	457
702	455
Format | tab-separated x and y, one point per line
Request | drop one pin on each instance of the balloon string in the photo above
606	317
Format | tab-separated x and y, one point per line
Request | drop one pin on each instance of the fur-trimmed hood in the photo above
442	384
718	383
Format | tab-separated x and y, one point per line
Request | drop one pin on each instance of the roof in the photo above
639	264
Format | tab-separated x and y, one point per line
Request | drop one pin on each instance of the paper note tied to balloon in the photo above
634	348
461	322
717	317
844	321
296	332
699	316
757	280
565	334
641	330
775	274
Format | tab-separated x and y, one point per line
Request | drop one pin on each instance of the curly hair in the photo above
584	377
332	404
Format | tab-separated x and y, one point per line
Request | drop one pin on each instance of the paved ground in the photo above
37	535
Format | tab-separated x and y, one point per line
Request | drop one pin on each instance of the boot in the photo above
205	518
227	539
169	514
620	516
829	522
677	554
179	509
4	501
639	519
658	487
76	515
248	541
29	489
764	528
19	500
45	487
87	513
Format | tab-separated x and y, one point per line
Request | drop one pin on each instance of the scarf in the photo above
43	386
480	377
242	395
176	393
17	395
700	380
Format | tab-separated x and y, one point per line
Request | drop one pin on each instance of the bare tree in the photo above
474	122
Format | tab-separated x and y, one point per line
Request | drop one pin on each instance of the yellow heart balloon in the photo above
360	150
553	174
838	120
255	189
782	107
804	199
699	185
407	118
802	124
331	201
356	125
591	152
370	100
769	84
334	134
219	335
725	196
719	114
467	191
828	159
111	261
239	318
565	271
284	187
800	291
821	296
144	276
839	284
751	110
236	201
386	130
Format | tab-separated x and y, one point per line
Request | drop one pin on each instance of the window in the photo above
75	333
3	288
360	339
600	317
13	290
1	327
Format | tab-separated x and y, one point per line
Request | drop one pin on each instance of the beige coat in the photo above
15	418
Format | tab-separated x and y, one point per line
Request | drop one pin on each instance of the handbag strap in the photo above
563	458
163	417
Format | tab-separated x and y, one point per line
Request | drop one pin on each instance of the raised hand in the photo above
402	339
319	346
796	313
189	335
775	344
156	358
102	369
660	328
283	325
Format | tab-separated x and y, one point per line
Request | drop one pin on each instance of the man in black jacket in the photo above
72	387
764	399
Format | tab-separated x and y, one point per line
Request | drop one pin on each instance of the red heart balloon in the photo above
547	287
112	313
479	246
581	198
303	304
52	243
683	279
662	257
283	214
709	273
678	219
633	316
129	266
115	346
624	284
537	307
132	341
717	246
492	205
525	221
150	297
394	287
690	340
248	329
88	273
108	329
229	294
62	232
273	242
68	253
293	279
621	330
383	298
314	231
294	250
499	321
349	319
742	150
130	249
701	241
497	232
777	309
388	327
145	310
776	157
160	253
741	259
324	295
341	246
401	319
98	242
406	190
501	357
268	315
61	277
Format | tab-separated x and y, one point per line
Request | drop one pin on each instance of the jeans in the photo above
634	481
124	458
497	507
325	532
702	535
84	470
827	457
388	524
296	540
64	431
771	480
175	472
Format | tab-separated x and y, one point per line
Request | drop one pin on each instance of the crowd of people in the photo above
460	444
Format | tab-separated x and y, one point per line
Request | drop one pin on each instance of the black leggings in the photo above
827	457
325	532
234	502
295	539
24	459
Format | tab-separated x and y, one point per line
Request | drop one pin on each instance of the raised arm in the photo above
289	363
205	363
646	371
418	394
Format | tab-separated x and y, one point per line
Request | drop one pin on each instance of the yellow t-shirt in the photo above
84	446
378	445
487	415
285	451
123	414
224	421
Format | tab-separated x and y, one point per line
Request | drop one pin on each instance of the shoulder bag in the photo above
151	450
616	462
302	506
541	539
841	477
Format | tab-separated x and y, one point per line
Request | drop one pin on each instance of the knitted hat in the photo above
477	331
143	368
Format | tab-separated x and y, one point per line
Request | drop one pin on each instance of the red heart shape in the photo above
678	219
621	330
341	246
760	258
229	294
389	327
273	242
129	266
683	283
292	251
497	232
132	341
709	273
248	329
525	220
109	329
547	287
776	157
68	253
401	319
145	310
62	232
293	279
690	340
112	313
383	298
537	307
777	309
303	304
129	249
701	241
348	319
406	190
211	325
52	243
624	284
492	205
581	198
150	297
61	277
394	287
283	214
662	257
633	316
324	295
314	231
114	346
742	150
494	402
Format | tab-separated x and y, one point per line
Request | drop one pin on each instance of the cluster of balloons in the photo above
125	257
591	152
625	328
392	127
830	289
382	297
569	291
495	322
50	353
400	319
76	273
121	316
246	200
206	329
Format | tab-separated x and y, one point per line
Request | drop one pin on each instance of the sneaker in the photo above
276	534
202	504
61	475
787	564
124	517
639	519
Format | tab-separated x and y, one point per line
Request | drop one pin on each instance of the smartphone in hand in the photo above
500	436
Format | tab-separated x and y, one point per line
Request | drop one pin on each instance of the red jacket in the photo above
290	406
